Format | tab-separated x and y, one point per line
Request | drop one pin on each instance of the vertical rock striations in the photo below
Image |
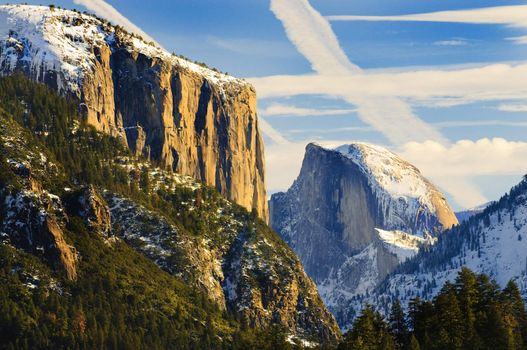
353	214
191	119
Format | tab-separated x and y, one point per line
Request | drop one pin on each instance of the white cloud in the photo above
513	107
319	131
311	33
287	110
451	42
471	123
103	9
283	164
253	47
515	16
312	36
452	167
436	87
495	156
439	125
273	134
519	39
382	97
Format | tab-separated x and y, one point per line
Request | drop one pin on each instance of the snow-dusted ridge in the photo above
388	173
398	185
492	242
353	215
53	39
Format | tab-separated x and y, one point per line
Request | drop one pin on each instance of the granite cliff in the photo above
69	192
189	118
353	214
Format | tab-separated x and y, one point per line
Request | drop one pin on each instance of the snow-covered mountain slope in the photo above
353	214
404	194
190	118
493	242
55	40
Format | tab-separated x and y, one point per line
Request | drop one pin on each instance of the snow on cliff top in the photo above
51	39
389	173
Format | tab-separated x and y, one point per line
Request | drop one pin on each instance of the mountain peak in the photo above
353	214
390	175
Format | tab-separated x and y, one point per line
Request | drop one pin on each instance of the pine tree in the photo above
369	332
466	287
144	181
398	326
449	328
413	344
514	306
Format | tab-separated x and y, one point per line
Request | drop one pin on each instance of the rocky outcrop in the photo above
332	213
31	218
193	120
60	251
89	205
189	230
242	268
29	223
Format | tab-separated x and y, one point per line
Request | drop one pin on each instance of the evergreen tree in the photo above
398	325
413	344
369	332
514	307
466	286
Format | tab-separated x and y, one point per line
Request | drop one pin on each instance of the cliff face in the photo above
351	221
187	230
193	120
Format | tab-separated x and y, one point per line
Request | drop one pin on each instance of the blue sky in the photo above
248	39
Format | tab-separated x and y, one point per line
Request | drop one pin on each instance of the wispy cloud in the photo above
312	35
273	134
451	42
382	98
519	39
439	125
513	107
472	123
332	130
509	15
433	87
253	47
450	166
105	10
513	16
293	111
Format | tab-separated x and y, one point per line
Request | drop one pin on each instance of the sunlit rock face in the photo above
190	118
353	214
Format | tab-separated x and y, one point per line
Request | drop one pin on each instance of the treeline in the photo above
471	313
468	236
